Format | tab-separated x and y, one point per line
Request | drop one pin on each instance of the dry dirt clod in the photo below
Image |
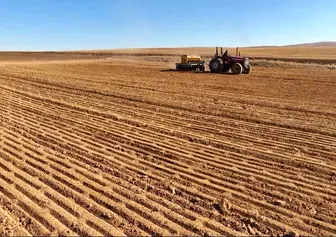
172	189
222	206
258	233
219	208
250	230
3	220
150	187
193	200
106	216
312	212
290	234
227	206
279	202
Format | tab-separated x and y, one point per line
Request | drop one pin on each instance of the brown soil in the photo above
129	147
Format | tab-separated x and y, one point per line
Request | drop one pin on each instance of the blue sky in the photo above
105	24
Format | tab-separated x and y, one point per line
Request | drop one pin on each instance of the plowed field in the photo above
112	147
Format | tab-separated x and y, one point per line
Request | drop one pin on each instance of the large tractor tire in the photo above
226	67
216	65
247	70
236	68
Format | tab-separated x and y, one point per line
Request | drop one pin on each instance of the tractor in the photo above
222	63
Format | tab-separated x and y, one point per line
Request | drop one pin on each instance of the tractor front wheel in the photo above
236	68
247	70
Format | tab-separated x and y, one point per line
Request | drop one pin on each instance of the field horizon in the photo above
320	52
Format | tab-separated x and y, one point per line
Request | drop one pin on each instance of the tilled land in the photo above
124	147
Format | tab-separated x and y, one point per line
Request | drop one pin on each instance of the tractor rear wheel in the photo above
236	68
216	65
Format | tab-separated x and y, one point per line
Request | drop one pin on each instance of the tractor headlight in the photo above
246	63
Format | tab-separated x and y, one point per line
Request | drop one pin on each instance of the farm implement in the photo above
190	63
220	63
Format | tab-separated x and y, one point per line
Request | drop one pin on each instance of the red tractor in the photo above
223	62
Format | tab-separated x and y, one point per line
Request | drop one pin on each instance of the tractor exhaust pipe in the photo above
216	51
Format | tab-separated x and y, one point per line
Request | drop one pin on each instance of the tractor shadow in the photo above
168	70
197	72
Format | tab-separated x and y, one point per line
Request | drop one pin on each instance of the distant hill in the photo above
312	51
315	44
318	50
